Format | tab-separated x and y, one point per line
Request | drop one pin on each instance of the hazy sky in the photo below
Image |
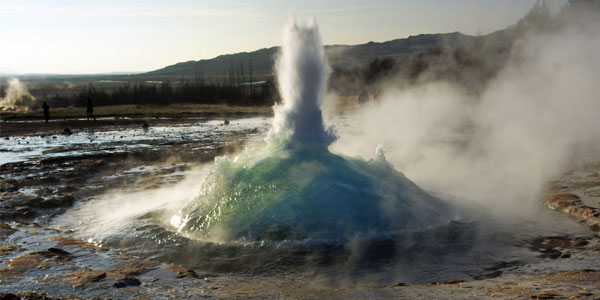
117	36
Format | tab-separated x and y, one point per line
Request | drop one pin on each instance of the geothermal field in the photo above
428	189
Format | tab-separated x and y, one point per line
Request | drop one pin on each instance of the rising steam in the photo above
534	120
17	97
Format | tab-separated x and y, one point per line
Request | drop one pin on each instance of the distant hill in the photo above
260	62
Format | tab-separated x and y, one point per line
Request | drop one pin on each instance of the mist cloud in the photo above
16	96
499	148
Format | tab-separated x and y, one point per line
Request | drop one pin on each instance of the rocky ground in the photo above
39	261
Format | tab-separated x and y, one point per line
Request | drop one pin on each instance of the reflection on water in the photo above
125	139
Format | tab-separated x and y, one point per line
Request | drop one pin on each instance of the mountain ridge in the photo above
260	62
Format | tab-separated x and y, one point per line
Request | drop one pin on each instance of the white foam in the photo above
301	67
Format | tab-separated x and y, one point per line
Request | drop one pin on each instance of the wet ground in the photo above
53	244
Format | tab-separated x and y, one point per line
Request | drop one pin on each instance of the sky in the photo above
83	37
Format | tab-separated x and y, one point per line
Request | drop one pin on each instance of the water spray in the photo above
294	188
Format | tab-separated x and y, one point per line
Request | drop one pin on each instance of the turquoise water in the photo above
294	188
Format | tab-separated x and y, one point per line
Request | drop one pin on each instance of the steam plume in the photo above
16	96
500	149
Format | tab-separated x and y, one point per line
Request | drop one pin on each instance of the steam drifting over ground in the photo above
17	97
500	148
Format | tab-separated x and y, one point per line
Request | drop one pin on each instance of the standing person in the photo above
90	109
46	111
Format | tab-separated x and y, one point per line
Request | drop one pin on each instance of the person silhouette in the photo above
90	109
46	111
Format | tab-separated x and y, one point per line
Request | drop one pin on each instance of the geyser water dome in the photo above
295	188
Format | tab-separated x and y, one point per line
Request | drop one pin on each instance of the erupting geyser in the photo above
295	188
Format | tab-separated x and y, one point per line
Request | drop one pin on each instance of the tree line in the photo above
236	87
